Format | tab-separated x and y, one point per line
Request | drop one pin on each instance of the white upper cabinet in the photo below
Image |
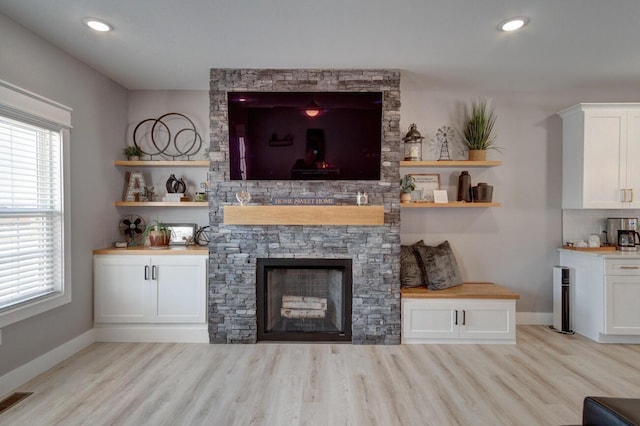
601	156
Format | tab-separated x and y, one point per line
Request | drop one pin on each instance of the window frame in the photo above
16	103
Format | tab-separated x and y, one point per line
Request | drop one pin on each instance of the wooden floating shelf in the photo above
161	204
162	163
446	205
450	163
304	215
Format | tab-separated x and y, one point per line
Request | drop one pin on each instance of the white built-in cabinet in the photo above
458	320
622	294
160	291
600	156
604	295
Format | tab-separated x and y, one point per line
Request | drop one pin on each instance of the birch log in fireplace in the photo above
301	307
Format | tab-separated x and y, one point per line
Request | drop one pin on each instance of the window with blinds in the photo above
31	212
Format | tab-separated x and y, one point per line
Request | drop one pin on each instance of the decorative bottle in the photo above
464	187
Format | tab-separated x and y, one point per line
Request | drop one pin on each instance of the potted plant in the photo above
132	152
407	184
477	129
157	235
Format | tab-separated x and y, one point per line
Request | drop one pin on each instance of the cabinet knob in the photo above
146	272
629	267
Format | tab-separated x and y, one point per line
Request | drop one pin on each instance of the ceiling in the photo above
169	44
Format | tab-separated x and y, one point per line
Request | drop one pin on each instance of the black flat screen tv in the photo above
305	135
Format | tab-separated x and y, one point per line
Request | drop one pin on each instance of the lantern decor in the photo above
413	144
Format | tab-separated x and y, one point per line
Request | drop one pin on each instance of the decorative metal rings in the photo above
155	139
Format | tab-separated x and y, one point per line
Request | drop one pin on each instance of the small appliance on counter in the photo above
627	240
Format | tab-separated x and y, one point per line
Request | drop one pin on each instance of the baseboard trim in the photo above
148	333
534	318
21	375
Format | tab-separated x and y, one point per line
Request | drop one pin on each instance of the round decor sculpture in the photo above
171	136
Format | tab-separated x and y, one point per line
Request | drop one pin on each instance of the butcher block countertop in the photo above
171	251
465	291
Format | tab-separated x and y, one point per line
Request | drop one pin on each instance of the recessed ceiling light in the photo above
513	24
97	25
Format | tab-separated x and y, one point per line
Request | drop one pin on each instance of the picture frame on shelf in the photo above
181	233
425	183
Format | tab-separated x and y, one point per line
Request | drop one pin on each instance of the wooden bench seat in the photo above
469	290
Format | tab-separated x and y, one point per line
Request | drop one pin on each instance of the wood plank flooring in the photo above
540	381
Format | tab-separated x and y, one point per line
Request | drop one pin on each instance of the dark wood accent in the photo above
12	400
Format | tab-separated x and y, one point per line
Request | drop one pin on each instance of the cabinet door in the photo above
604	173
622	315
487	319
181	288
633	156
121	292
429	319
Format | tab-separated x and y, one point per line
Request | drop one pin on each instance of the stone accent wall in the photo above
375	250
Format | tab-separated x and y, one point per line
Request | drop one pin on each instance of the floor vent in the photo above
12	400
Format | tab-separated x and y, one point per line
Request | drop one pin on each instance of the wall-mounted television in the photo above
305	135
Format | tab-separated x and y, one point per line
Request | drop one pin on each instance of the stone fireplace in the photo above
373	251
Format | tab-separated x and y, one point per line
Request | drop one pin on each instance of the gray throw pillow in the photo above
411	272
440	265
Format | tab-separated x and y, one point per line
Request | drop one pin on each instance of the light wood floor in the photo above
540	381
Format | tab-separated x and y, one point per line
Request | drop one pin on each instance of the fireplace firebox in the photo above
303	299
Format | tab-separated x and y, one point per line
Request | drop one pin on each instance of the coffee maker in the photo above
628	240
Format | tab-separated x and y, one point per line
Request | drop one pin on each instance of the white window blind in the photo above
31	211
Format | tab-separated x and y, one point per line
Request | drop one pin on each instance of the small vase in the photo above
464	187
477	155
482	193
405	197
133	158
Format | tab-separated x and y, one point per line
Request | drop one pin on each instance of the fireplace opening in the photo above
304	299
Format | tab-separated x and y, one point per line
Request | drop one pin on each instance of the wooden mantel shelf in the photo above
304	215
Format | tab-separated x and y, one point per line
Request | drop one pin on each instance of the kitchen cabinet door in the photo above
622	315
605	164
633	157
181	288
121	292
600	156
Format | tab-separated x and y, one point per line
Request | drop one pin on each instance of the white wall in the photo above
99	121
